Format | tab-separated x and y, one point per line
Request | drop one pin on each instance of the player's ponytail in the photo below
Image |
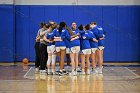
61	26
70	31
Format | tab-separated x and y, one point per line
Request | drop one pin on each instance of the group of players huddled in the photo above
80	45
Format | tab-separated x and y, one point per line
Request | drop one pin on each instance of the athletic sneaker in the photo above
53	73
50	73
76	73
36	70
100	70
96	70
82	73
73	73
93	71
61	73
79	69
65	72
88	72
43	72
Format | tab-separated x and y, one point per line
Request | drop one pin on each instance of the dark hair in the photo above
61	26
42	24
80	27
70	31
93	23
87	27
47	25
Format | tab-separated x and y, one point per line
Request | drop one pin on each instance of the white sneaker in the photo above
43	71
96	70
76	73
100	70
79	69
88	72
72	73
53	73
82	73
36	70
49	73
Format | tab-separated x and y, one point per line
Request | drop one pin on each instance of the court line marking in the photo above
132	72
27	72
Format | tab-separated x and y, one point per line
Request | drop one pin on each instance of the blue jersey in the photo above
50	36
84	40
75	42
64	35
93	44
67	43
99	33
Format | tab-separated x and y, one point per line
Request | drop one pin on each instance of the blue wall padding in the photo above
122	24
7	33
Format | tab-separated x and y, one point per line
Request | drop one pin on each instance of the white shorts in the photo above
60	48
93	50
86	51
67	50
51	49
75	49
101	47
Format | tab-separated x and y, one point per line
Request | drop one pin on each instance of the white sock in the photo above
83	70
72	70
53	70
49	70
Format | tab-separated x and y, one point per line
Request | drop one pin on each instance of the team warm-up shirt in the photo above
93	44
99	33
75	42
50	36
64	35
84	43
67	41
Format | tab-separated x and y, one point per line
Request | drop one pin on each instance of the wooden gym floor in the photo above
115	79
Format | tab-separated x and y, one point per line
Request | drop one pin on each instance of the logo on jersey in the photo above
100	28
50	33
91	32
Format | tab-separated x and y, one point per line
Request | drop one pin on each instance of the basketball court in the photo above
115	79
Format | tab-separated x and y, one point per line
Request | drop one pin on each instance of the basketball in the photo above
25	61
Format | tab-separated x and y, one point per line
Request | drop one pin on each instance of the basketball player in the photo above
100	35
51	51
85	49
75	48
60	35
